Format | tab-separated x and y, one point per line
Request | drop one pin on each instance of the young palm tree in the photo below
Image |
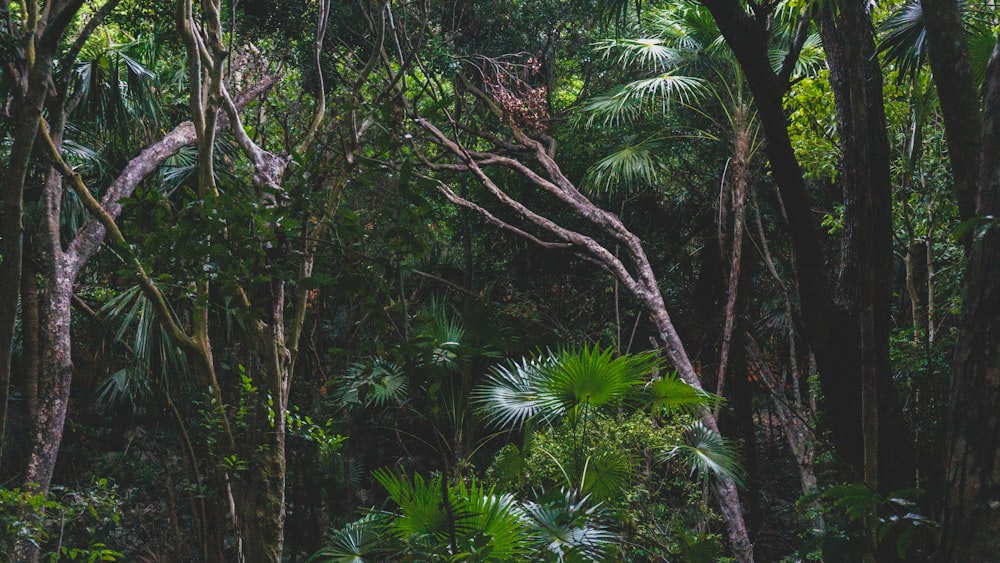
574	384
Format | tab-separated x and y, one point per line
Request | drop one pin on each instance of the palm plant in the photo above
903	37
574	384
357	542
684	60
568	382
568	527
438	520
152	361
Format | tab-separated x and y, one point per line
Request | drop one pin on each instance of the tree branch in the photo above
91	204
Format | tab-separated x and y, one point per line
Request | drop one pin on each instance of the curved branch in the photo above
91	204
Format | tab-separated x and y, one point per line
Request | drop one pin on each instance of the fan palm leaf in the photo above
561	384
810	61
373	382
357	542
630	102
668	394
648	52
441	335
484	524
904	39
510	396
708	454
633	165
131	321
607	473
569	527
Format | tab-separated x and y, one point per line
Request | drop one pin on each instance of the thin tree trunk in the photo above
739	185
916	310
26	111
931	307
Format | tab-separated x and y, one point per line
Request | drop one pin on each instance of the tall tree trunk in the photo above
971	523
263	501
866	243
26	109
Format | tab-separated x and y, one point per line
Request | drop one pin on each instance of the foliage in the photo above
66	524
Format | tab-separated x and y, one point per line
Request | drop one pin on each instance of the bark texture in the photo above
866	244
971	524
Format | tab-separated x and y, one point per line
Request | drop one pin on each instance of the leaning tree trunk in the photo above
724	489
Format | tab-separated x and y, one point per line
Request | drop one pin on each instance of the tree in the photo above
506	107
970	525
33	46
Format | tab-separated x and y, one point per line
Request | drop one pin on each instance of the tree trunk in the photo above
30	345
263	503
53	386
26	109
738	192
971	523
856	82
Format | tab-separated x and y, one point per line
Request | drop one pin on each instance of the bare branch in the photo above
149	288
89	238
458	200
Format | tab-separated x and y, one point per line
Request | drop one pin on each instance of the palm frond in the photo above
482	520
570	528
647	52
627	103
357	542
441	334
982	40
373	382
668	394
421	511
904	39
491	519
593	377
152	358
709	455
811	58
510	396
616	12
634	166
607	474
129	386
563	383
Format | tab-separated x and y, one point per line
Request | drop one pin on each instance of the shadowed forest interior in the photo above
499	280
